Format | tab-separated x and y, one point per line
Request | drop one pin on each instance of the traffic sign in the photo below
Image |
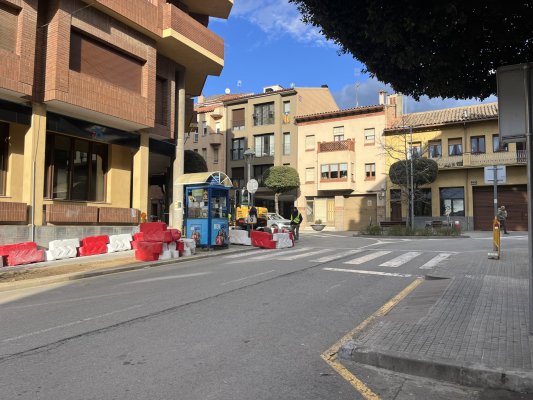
252	186
501	174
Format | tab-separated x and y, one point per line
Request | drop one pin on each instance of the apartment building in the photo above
208	136
265	124
94	103
341	163
463	141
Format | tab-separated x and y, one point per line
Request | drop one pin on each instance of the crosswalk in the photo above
352	259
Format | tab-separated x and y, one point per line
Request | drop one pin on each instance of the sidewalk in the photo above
469	328
30	275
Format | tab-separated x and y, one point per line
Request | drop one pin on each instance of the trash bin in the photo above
457	226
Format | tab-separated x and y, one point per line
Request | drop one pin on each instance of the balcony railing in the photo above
338	145
483	159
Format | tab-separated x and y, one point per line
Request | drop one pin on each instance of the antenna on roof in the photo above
357	84
239	83
292	85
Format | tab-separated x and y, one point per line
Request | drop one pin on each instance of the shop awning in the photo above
198	178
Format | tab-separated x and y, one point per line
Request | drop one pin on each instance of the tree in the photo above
425	171
447	49
281	179
194	162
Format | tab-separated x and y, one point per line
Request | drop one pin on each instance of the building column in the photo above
34	168
140	175
176	213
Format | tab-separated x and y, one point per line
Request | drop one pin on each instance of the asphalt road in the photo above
244	326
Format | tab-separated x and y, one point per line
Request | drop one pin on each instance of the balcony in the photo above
338	145
215	139
483	159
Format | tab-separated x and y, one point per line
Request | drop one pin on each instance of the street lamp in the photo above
249	155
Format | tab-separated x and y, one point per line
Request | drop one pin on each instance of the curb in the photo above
28	283
463	374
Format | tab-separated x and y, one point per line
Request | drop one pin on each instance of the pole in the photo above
529	144
495	190
412	194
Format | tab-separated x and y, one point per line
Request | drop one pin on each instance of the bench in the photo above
386	224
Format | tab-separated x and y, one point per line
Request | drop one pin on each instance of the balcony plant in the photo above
318	225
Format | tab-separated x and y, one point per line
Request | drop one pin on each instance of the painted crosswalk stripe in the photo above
336	256
247	254
367	257
396	262
435	260
273	253
295	257
358	271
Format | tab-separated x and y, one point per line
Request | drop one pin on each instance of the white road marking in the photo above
164	278
39	332
64	301
358	271
336	256
247	277
247	254
368	257
435	260
396	262
273	253
290	258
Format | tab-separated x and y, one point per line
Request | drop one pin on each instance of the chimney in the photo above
382	97
201	99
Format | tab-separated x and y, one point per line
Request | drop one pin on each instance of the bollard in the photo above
495	240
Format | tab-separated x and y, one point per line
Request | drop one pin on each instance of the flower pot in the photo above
318	227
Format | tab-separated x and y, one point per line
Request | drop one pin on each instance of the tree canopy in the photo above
439	49
425	171
194	162
281	179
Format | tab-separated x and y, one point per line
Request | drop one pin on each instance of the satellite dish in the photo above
227	91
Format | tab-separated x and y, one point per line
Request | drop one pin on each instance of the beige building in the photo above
341	164
463	141
264	123
208	136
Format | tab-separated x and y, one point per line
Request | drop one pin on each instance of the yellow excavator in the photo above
241	212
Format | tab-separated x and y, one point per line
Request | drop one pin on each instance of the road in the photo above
241	326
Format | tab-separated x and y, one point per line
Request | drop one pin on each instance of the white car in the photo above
277	221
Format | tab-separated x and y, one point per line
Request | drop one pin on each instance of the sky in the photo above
267	44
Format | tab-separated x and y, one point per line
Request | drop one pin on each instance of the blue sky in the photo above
267	44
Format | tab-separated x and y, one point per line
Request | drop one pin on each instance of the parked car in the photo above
275	220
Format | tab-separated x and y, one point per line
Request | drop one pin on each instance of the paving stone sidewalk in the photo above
471	328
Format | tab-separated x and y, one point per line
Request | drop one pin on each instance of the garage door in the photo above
359	211
513	197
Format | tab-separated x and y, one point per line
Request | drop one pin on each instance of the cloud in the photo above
277	18
367	94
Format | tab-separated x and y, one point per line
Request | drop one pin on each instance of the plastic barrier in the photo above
19	257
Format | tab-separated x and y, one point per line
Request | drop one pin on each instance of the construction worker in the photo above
296	220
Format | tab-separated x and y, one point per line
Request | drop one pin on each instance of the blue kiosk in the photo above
206	208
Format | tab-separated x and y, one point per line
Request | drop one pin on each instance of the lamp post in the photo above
249	155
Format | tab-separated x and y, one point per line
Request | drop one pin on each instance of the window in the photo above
8	27
497	145
195	137
370	135
237	149
264	114
455	147
338	133
237	119
452	201
195	150
237	177
215	155
217	127
161	101
334	171
416	150
204	128
310	174
264	145
204	154
259	171
435	149
92	57
286	143
477	144
4	153
76	169
286	107
310	142
423	203
370	172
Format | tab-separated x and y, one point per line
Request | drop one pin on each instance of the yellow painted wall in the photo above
15	163
119	176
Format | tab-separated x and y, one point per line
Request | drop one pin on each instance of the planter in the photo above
318	227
